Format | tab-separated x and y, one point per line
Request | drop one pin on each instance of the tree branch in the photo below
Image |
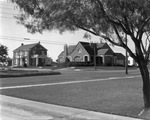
147	54
144	23
120	24
117	33
124	46
111	41
144	49
94	33
140	30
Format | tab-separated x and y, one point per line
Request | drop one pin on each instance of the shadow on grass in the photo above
25	73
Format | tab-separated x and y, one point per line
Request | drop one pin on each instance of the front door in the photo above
41	61
33	61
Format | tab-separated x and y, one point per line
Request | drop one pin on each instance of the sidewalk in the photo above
20	109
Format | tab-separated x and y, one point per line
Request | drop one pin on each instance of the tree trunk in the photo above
146	83
146	90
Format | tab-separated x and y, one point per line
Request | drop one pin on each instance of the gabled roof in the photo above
102	48
102	51
88	47
61	54
70	48
100	45
26	47
119	55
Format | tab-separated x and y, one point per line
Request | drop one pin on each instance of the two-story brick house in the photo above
30	55
85	52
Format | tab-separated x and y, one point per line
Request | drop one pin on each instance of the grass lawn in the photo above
22	73
121	97
106	68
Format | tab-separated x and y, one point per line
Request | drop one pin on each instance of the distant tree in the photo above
3	53
108	19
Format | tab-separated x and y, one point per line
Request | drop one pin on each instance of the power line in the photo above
8	8
7	17
32	40
8	13
6	3
11	37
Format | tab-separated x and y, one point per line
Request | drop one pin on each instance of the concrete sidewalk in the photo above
20	109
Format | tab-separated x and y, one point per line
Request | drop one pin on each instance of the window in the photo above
26	53
43	53
34	52
16	54
77	59
21	53
79	50
15	62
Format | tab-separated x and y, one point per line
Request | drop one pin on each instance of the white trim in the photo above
87	57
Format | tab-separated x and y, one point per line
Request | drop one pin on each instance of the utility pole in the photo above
19	57
95	56
126	59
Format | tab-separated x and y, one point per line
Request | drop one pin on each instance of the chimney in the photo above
22	44
91	44
65	50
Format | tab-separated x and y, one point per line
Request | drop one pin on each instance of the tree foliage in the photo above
3	53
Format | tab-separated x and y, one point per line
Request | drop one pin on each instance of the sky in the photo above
13	35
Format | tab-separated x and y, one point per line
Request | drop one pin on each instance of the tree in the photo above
3	53
108	19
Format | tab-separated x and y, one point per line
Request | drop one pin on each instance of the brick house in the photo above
85	52
119	59
30	55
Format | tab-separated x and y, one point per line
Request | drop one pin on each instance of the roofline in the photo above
31	47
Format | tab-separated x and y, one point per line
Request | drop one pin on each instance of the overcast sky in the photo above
12	34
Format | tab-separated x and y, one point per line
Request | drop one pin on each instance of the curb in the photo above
52	112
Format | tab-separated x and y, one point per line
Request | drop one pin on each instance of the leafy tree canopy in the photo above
3	53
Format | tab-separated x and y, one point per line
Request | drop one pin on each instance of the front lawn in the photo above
106	68
121	97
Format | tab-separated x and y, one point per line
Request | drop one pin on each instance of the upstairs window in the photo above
43	52
33	52
26	53
79	50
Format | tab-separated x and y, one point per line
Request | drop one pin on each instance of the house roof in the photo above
87	47
26	47
102	51
103	48
61	54
100	45
71	48
120	55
